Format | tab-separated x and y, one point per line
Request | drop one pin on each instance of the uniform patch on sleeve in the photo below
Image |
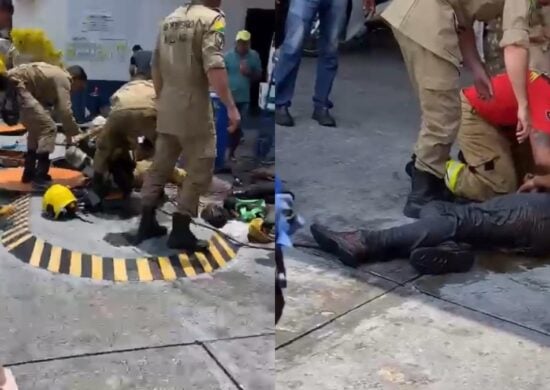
219	26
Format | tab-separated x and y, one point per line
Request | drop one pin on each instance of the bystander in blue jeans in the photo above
332	15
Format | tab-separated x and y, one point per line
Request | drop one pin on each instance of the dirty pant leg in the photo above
490	169
39	124
400	241
199	154
436	82
167	151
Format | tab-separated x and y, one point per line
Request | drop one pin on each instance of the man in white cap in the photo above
243	67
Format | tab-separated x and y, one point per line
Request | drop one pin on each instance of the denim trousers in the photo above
301	14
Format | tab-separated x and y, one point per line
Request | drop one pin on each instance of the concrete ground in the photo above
213	331
383	326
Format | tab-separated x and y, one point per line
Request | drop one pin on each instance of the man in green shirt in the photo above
243	66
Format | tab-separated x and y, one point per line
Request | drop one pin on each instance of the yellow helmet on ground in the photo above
59	201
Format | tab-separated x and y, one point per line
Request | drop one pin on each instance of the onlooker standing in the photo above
141	62
243	66
301	14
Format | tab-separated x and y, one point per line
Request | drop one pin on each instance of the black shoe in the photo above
182	238
443	259
149	226
42	169
322	115
346	246
425	188
283	117
410	165
29	170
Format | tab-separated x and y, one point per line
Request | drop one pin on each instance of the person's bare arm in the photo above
472	61
515	41
516	59
217	77
540	145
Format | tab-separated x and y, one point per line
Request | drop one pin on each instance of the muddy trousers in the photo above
519	222
436	82
199	165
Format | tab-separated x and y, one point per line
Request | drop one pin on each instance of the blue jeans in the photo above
332	15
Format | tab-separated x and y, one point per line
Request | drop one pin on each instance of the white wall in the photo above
140	20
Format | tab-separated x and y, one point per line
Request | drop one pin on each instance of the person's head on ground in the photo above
136	48
79	78
242	45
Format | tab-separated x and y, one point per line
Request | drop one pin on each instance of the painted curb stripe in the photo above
20	241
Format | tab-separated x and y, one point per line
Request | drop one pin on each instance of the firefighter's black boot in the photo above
182	237
42	169
29	170
446	258
425	188
149	226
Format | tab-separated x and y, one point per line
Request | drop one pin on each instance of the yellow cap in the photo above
243	35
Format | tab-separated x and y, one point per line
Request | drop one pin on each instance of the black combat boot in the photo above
445	258
42	169
149	226
29	170
283	117
182	237
322	115
410	166
425	188
348	247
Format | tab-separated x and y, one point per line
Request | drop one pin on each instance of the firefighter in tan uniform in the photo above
494	160
133	115
43	88
435	38
187	59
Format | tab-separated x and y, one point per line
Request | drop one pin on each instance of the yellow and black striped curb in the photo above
20	241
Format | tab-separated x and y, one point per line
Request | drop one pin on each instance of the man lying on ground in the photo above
443	239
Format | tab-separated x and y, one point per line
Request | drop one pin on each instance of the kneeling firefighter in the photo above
133	115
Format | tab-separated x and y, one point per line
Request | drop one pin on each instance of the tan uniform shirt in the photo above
190	43
51	86
434	24
539	51
138	94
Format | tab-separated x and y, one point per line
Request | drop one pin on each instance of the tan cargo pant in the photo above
496	163
198	152
41	128
436	82
120	135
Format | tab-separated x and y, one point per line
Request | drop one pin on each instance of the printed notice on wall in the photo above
96	28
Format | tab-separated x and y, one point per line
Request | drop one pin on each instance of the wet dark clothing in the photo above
518	222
